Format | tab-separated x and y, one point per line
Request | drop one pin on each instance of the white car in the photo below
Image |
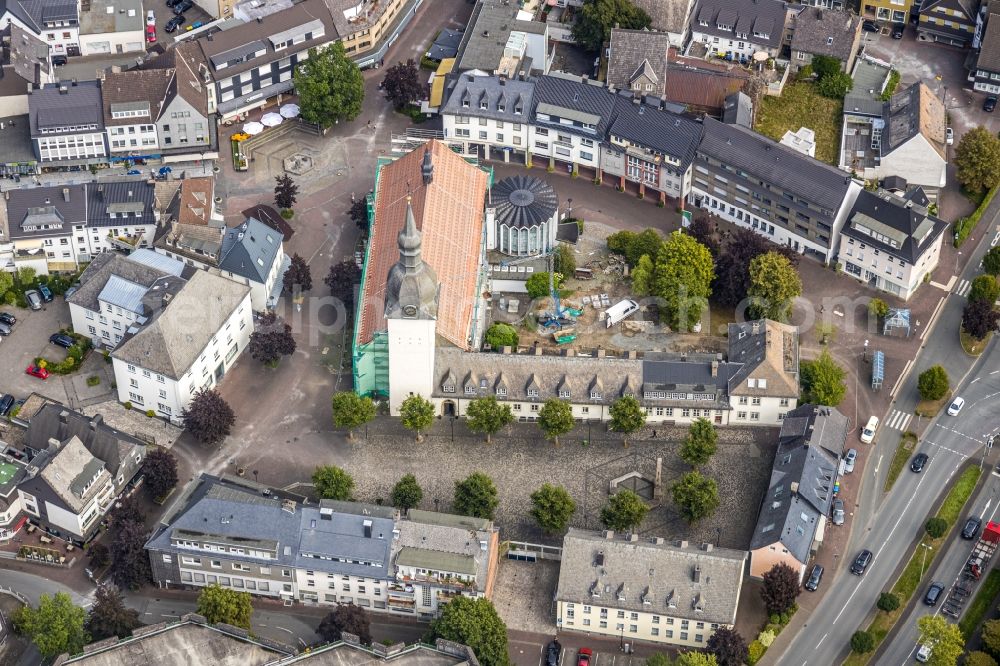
949	136
956	406
868	434
150	18
849	460
923	653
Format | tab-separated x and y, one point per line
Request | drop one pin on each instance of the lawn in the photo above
980	604
972	346
800	105
902	455
919	565
930	408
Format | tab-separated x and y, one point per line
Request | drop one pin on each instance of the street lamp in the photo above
866	351
923	559
958	258
569	204
255	476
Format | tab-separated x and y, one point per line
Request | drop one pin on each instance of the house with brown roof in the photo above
442	196
637	61
702	86
825	32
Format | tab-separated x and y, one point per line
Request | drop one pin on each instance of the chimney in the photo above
794	487
715	368
96	421
609	534
54	443
427	168
696	574
65	194
64	417
600	352
683	544
74	83
368	529
633	537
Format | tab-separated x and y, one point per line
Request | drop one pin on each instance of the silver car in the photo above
838	512
849	459
34	299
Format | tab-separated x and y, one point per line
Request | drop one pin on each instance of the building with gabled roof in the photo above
739	28
55	22
825	32
673	593
793	514
952	22
985	73
912	142
637	61
669	16
67	123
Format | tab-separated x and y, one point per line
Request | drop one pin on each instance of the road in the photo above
888	526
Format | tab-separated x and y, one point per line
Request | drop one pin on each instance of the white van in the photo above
868	434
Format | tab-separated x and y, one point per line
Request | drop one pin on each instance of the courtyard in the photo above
801	105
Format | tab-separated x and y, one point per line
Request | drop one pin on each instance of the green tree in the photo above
109	616
878	308
416	414
332	482
979	659
936	527
835	86
563	260
406	494
330	86
285	191
501	335
476	496
658	659
700	444
774	284
728	647
555	418
627	416
642	276
402	84
692	658
209	417
633	246
347	617
6	282
945	637
683	279
476	623
537	285
933	383
888	602
862	642
552	507
488	416
597	17
56	626
26	276
825	66
991	637
991	262
822	381
984	288
977	160
624	511
696	496
221	604
351	411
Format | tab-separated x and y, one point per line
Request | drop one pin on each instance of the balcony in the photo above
440	581
402	591
126	243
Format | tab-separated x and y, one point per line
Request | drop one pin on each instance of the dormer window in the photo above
465	102
470	389
595	395
448	388
532	393
829	41
703	23
501	391
501	106
483	104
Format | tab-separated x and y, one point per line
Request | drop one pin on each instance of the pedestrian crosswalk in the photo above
898	420
962	288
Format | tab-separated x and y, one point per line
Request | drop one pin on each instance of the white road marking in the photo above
822	639
996	239
985	508
878	464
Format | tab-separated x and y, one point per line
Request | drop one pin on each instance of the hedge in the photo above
965	226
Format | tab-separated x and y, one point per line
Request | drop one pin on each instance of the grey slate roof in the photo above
445	542
53	421
181	330
250	249
774	163
665	132
225	511
523	201
915	110
683	582
106	196
29	54
766	350
815	27
630	49
36	13
487	33
68	204
746	16
502	99
109	264
801	488
79	104
738	110
901	219
869	82
67	471
989	50
446	44
668	15
571	98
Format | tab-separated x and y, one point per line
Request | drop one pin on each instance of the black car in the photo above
174	23
861	562
552	653
990	104
870	26
815	576
897	30
933	593
8	318
6	402
971	529
919	462
183	6
59	60
171	3
4	329
62	340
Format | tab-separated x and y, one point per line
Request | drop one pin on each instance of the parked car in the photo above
150	34
868	434
870	26
849	460
150	18
171	3
133	172
990	104
183	6
34	300
173	24
62	340
6	403
861	562
8	318
815	576
923	653
4	329
949	135
897	30
583	657
35	371
59	60
919	462
838	512
971	528
933	593
45	292
552	653
956	406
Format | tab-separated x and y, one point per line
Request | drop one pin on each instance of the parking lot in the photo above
163	14
28	340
